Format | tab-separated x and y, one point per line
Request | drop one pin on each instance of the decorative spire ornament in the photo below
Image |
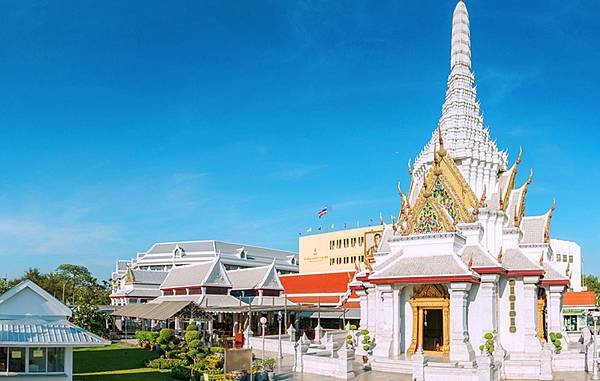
501	255
470	264
482	203
542	258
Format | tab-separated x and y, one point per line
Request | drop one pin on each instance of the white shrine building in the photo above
463	257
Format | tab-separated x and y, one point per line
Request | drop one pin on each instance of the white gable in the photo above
28	299
217	276
271	280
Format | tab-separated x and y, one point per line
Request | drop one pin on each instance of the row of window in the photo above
564	258
346	242
346	260
32	360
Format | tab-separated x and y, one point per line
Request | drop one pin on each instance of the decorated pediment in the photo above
430	291
444	200
129	276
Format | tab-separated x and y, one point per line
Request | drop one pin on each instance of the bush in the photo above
488	336
192	336
192	327
217	349
268	364
180	372
163	363
195	344
165	336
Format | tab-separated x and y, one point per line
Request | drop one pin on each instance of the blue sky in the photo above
127	123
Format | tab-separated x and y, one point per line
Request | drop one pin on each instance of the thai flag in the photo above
322	212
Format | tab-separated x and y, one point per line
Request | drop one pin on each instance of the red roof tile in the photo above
583	298
316	283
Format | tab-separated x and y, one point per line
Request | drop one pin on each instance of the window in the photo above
16	360
353	242
331	245
339	243
512	313
331	261
557	257
564	257
37	360
361	240
3	359
56	360
570	259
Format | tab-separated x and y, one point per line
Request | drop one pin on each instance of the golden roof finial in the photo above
410	170
518	161
381	221
542	258
501	255
516	216
530	178
394	226
553	208
442	150
568	270
470	264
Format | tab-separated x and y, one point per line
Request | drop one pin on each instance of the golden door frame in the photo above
541	316
418	306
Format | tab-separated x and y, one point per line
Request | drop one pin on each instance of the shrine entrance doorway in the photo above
431	319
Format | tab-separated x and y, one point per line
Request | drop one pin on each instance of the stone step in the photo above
392	365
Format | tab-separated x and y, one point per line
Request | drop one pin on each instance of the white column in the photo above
384	321
529	313
460	347
488	291
397	320
554	299
372	312
68	364
364	308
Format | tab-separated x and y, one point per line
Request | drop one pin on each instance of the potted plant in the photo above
268	365
368	343
258	371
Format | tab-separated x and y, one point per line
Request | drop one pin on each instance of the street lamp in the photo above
279	353
263	322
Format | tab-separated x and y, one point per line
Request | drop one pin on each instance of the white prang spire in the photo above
461	37
461	123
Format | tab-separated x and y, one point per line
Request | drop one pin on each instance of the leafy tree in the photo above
88	316
593	284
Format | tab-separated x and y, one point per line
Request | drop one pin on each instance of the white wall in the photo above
568	248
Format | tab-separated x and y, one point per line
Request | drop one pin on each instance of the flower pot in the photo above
271	376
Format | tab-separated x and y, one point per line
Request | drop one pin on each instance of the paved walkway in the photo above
284	373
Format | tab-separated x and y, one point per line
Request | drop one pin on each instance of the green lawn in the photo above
116	362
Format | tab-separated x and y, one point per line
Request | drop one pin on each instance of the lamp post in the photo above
263	323
279	353
595	376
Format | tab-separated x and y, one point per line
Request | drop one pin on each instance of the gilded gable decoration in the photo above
431	291
129	276
444	199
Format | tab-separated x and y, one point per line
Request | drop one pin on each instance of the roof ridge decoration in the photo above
548	220
129	276
444	199
505	192
462	120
